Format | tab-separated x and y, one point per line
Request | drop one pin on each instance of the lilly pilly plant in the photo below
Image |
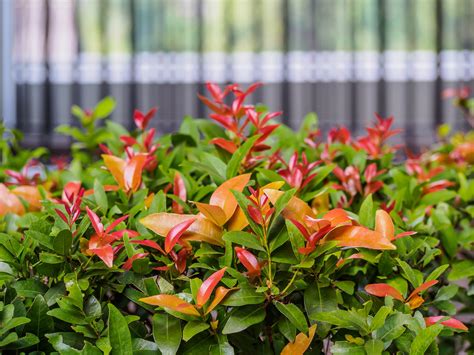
236	235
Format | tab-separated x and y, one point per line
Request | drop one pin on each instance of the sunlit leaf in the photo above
301	343
223	196
384	224
359	237
172	302
201	230
295	209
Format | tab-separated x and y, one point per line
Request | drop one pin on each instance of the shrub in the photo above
236	235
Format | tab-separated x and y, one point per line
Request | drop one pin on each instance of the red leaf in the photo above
301	228
208	286
61	215
128	264
255	214
116	223
106	253
225	144
179	190
248	260
421	288
149	243
383	290
175	233
449	322
404	234
95	220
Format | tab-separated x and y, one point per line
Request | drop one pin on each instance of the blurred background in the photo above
343	59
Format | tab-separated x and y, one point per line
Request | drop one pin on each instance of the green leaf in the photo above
409	273
436	273
104	107
20	343
344	319
62	242
234	163
192	328
144	347
242	318
246	295
243	238
319	299
366	212
346	286
287	329
40	323
13	323
294	315
29	288
296	239
424	339
379	319
221	349
119	334
282	202
462	270
346	348
68	316
100	196
436	197
167	333
374	347
393	327
446	293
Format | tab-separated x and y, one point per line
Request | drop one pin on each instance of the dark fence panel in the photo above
344	59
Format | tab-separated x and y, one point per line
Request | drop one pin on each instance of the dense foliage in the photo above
235	235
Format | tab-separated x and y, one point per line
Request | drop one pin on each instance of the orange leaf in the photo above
223	196
9	203
421	288
383	290
415	302
172	302
238	221
384	224
359	237
301	343
208	286
31	195
296	208
149	200
116	167
221	292
449	322
201	230
132	173
212	213
337	216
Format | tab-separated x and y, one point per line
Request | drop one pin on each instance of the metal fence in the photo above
344	59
